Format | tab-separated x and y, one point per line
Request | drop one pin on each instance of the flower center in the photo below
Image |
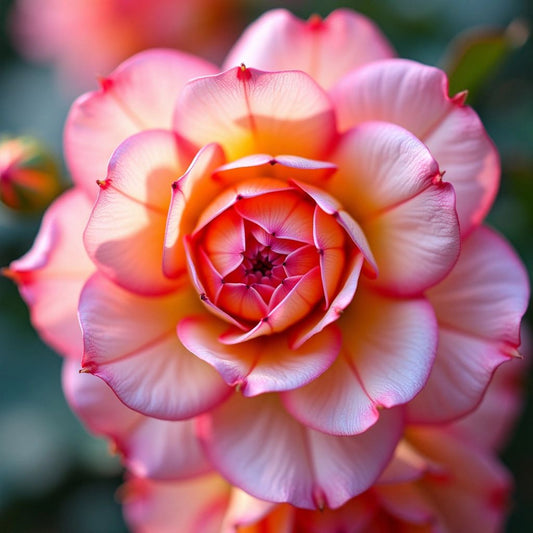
263	260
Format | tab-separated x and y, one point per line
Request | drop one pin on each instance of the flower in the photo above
452	483
88	38
288	262
29	176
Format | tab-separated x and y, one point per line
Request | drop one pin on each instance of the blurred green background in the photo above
56	478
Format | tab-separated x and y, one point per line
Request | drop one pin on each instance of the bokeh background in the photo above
54	477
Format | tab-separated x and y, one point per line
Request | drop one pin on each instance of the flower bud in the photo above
29	176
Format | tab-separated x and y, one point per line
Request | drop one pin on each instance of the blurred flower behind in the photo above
29	175
87	38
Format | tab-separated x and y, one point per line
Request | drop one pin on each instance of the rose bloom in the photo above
284	263
29	176
85	38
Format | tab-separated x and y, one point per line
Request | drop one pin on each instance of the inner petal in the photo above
269	260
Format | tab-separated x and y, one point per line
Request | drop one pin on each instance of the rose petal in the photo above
479	307
258	447
332	207
325	49
190	193
388	350
355	516
159	449
415	96
319	318
245	510
260	365
139	351
283	167
473	494
487	292
335	403
380	165
51	275
248	111
140	94
415	243
195	505
408	503
125	234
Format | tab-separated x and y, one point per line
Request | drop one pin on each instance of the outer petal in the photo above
257	446
158	449
415	96
490	425
244	510
140	94
479	307
380	165
139	355
248	111
125	234
195	505
407	502
417	243
324	49
388	350
473	494
263	364
392	187
353	517
51	275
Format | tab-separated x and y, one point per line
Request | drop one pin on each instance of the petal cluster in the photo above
282	276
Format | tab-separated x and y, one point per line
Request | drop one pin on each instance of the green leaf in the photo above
475	55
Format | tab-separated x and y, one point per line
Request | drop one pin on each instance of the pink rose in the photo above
276	259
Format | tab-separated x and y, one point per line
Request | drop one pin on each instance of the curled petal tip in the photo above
437	179
319	498
460	98
315	22
105	83
10	274
512	352
243	72
113	446
103	184
240	385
